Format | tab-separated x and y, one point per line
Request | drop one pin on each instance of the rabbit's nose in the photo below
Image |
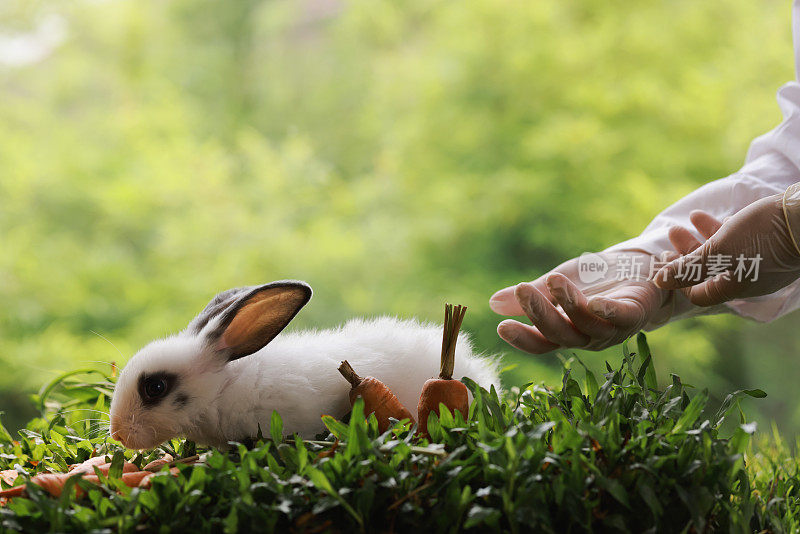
117	431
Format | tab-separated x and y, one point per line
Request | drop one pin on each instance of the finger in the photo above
628	306
551	323
621	312
717	290
524	337
541	286
705	223
688	270
683	240
669	255
575	305
504	302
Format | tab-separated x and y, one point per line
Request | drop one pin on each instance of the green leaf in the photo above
48	388
321	481
647	372
115	471
5	437
336	427
232	521
592	387
691	412
616	489
480	515
651	499
731	402
573	389
276	427
189	449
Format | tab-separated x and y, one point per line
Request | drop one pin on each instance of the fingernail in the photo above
560	291
496	304
500	300
523	294
507	331
500	296
601	307
562	295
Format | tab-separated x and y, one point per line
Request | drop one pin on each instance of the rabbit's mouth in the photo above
135	438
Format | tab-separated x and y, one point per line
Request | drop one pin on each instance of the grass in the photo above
610	454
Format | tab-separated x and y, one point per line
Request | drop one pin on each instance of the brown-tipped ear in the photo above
259	315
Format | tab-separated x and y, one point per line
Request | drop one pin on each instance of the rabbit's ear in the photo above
249	318
216	306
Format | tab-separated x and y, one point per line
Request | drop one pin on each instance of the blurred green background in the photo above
394	154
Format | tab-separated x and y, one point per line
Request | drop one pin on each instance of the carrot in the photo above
53	483
9	476
378	398
130	479
16	491
87	465
127	467
88	469
445	390
146	481
157	464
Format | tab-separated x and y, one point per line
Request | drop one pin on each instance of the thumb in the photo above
688	270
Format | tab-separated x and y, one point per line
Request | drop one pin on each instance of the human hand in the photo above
751	253
568	311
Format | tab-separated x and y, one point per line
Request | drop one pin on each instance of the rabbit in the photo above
220	379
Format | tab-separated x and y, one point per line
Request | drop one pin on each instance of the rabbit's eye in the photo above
154	387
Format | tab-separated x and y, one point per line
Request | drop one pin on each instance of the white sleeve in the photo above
771	166
768	174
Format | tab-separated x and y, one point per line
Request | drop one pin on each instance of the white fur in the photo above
296	374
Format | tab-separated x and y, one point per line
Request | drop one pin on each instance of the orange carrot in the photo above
445	390
9	476
130	479
146	481
16	491
127	467
87	465
157	464
378	398
53	483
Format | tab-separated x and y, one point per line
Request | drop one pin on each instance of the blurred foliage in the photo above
393	154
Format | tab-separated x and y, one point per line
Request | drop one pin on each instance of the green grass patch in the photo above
600	453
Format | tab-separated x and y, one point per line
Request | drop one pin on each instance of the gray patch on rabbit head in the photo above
181	400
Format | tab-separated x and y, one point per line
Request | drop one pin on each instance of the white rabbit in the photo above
218	380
